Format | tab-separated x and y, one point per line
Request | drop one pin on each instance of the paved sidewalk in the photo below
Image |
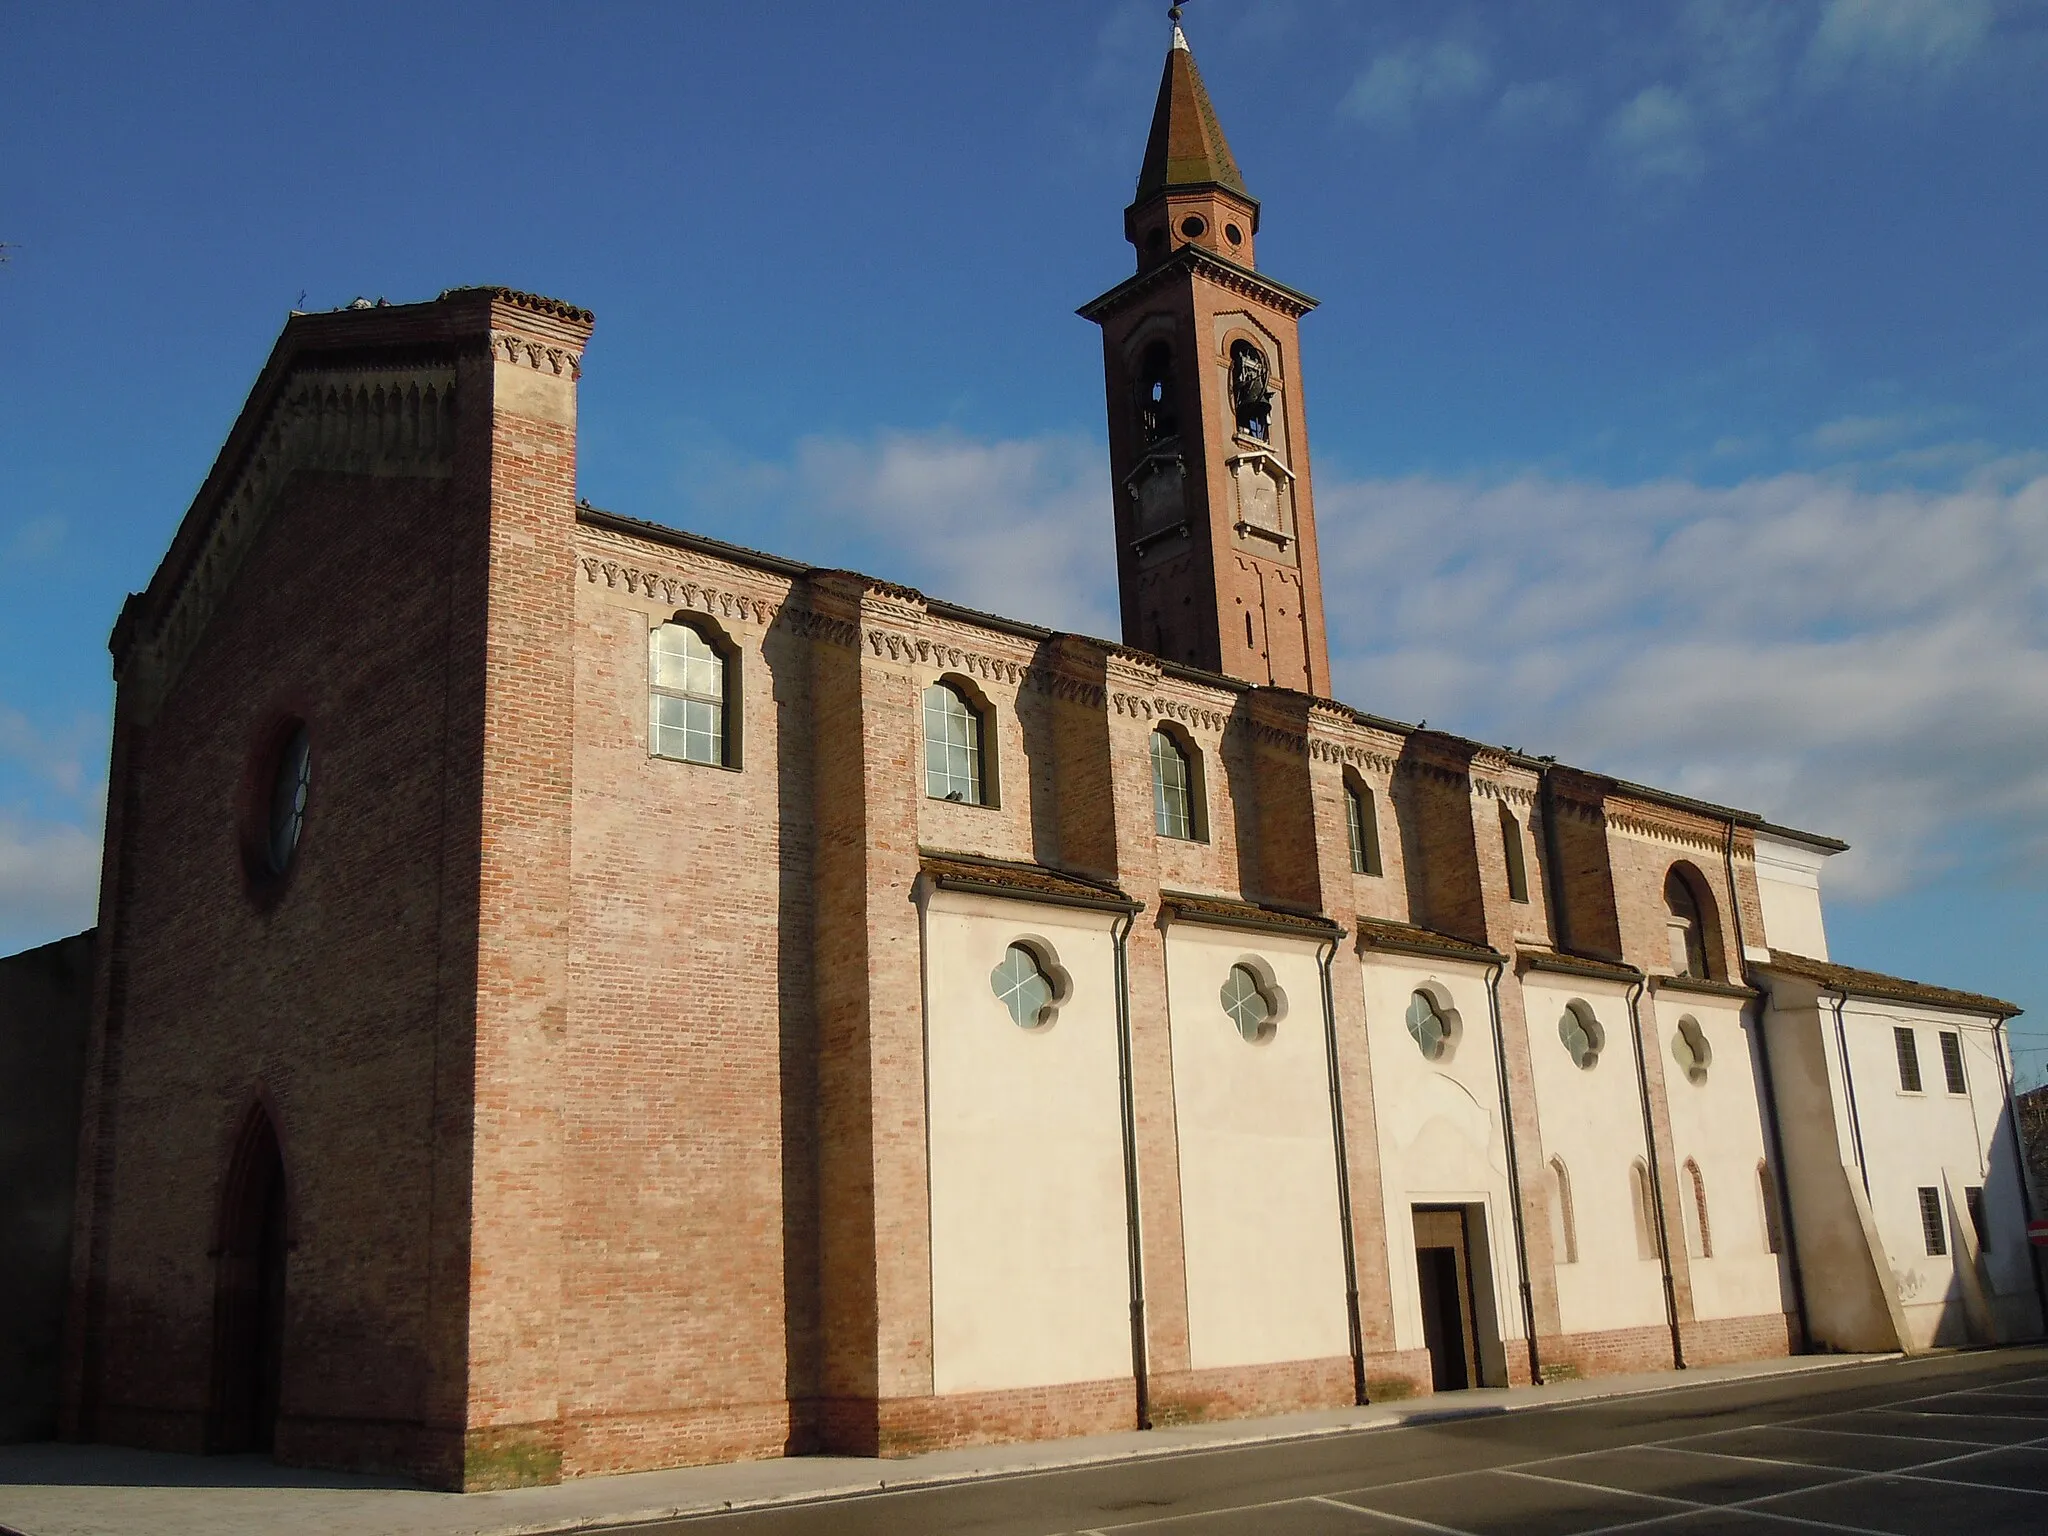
89	1490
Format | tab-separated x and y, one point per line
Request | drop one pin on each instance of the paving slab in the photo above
90	1490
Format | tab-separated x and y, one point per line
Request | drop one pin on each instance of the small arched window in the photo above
1686	924
1362	825
1643	1200
1511	846
1564	1228
1582	1035
1157	420
1767	1193
1689	1048
1251	1002
688	696
953	766
1176	788
1699	1232
1434	1029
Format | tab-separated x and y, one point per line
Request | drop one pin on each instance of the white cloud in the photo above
1401	83
1537	106
1893	38
49	881
1654	137
1869	664
1018	527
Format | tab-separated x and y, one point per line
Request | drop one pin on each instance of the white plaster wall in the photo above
1258	1165
1593	1120
1439	1128
1030	1279
1940	1139
1720	1125
1788	884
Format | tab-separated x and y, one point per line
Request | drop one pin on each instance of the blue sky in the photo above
1679	398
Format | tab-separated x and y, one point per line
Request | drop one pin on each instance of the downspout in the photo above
1507	1132
1780	1180
2019	1162
1326	955
1120	932
1635	1032
1849	1090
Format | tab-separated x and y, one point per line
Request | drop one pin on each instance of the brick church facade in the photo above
573	995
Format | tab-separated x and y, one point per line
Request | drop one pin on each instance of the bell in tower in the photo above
1215	526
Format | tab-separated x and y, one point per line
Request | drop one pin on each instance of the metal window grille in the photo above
686	704
1980	1222
1931	1228
1173	801
1354	822
1909	1063
952	747
1952	1061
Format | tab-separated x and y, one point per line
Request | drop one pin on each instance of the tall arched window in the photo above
688	696
1251	391
1686	924
1176	788
1564	1229
1361	823
1157	420
953	768
1511	846
1643	1199
1699	1232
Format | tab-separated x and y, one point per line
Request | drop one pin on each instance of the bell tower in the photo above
1208	441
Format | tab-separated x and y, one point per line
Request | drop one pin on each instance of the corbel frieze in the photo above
677	592
350	421
539	355
1352	755
1657	829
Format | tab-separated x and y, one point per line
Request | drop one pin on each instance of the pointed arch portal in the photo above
249	1296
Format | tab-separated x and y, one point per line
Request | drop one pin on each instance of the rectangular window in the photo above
1973	1197
1952	1061
1173	798
1930	1221
1909	1063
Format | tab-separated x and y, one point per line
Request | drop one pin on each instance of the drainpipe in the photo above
1507	1131
1135	1254
1635	1032
2019	1161
1325	955
1780	1179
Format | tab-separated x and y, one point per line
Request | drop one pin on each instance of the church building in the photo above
575	995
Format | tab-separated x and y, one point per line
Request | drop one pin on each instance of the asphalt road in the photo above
1955	1444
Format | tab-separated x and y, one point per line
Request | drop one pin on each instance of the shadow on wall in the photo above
45	1001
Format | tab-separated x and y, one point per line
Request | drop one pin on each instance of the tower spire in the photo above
1188	161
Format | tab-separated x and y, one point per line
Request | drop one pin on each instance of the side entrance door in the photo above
1443	1267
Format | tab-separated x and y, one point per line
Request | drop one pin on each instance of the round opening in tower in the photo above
1233	234
1194	226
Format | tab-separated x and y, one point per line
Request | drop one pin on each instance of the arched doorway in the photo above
248	1326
